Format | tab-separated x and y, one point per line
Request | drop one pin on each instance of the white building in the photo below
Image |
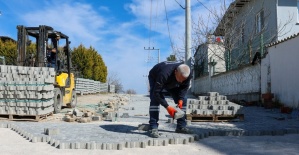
209	58
280	73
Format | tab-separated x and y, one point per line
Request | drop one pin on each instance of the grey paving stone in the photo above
52	131
62	146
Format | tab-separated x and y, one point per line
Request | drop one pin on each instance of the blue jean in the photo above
154	108
52	64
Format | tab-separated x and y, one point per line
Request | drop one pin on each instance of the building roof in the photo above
282	40
232	10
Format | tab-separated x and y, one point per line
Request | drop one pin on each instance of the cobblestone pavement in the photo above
124	133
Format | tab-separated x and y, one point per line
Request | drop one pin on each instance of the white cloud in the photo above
78	20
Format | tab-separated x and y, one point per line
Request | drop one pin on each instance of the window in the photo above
259	21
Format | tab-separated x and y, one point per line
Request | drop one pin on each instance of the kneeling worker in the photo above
175	78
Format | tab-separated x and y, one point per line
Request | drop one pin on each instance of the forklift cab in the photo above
47	46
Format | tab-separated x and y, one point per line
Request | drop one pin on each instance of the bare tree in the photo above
113	79
242	37
130	91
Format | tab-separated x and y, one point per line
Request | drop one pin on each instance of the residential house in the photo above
209	57
248	25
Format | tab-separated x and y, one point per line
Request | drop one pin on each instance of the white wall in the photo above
240	84
285	72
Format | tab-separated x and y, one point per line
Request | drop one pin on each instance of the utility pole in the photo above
188	39
150	49
188	33
156	50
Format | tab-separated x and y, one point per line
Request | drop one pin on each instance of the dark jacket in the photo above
164	78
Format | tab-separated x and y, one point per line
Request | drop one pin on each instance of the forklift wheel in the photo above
57	100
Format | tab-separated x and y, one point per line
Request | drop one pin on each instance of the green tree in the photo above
171	58
89	63
8	49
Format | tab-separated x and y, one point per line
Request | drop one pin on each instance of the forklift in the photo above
49	54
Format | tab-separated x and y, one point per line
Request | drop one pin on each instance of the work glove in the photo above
171	111
180	104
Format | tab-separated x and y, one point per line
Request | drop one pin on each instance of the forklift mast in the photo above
41	34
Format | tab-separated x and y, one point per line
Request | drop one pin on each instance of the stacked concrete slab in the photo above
111	89
86	86
104	87
26	90
212	104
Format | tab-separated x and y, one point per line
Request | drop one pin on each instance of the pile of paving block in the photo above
86	86
104	110
86	115
81	116
26	91
213	107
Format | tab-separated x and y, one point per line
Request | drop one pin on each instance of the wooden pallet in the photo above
200	118
228	118
214	118
14	117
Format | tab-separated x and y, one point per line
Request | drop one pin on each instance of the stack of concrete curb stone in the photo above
86	86
111	89
26	90
212	104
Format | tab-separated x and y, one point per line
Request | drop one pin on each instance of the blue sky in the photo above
118	29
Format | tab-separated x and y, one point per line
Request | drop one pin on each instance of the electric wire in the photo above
168	27
179	4
150	26
205	6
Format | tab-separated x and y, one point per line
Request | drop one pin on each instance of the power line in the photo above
156	14
168	27
150	29
179	4
205	6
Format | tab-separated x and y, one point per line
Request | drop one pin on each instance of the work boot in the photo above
154	133
183	130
